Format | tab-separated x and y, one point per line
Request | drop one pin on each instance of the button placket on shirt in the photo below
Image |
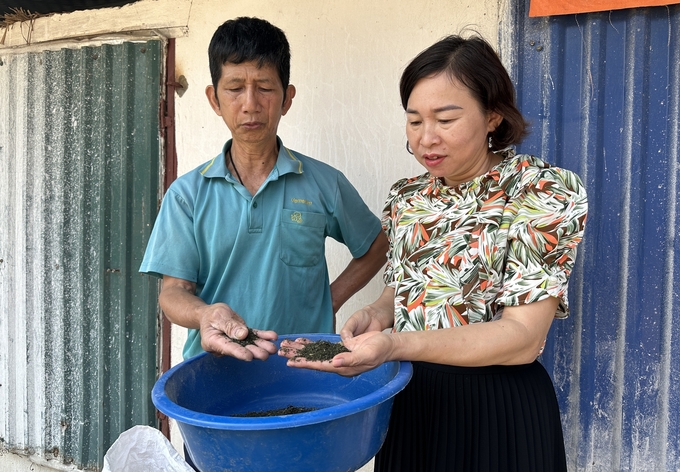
255	217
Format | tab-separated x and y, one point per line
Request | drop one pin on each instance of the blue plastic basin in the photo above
344	432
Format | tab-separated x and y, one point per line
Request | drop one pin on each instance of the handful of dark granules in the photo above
321	350
250	339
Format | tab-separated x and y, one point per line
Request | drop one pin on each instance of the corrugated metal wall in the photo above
79	186
603	92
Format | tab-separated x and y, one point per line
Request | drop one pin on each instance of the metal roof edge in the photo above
162	18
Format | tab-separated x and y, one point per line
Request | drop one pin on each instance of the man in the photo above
239	241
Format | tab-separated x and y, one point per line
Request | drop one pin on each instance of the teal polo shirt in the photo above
263	255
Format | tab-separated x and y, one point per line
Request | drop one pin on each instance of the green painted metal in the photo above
84	143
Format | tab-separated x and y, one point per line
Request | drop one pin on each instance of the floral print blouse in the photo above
458	255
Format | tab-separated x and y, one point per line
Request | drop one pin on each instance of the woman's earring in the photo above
408	148
490	145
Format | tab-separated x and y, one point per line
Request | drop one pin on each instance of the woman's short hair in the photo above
475	64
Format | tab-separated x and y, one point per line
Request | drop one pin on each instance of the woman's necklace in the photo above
231	159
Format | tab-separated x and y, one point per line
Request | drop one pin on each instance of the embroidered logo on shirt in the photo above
296	217
301	200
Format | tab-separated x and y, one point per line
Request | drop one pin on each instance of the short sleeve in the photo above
353	223
387	220
546	223
172	246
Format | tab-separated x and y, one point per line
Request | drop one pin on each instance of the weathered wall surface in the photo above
347	58
346	61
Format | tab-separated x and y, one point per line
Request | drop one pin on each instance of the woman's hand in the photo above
514	339
362	335
360	322
377	316
367	351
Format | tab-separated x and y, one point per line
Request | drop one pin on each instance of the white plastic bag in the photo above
143	449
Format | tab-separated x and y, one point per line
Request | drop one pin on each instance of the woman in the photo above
481	249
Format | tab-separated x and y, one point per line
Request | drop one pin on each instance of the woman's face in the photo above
447	130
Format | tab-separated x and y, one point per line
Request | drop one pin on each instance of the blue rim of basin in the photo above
184	415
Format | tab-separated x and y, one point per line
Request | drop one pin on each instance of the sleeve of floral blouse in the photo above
388	229
548	225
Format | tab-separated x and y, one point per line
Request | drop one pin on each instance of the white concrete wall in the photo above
347	57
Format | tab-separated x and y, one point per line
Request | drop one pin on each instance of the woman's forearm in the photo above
514	339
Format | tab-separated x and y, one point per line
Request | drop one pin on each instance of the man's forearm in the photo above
179	304
359	272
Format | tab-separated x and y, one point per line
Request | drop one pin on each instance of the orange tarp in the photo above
564	7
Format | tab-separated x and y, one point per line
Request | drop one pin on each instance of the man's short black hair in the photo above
246	39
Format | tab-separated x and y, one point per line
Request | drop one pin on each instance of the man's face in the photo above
250	100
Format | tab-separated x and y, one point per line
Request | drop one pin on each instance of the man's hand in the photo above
221	330
221	327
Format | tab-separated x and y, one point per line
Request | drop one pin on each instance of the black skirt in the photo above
475	419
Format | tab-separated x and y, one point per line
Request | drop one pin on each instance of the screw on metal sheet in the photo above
95	56
532	43
142	50
539	48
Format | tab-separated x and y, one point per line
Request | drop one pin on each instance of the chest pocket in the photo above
302	238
